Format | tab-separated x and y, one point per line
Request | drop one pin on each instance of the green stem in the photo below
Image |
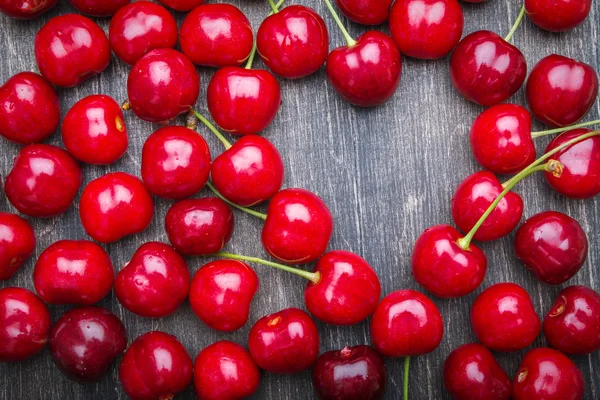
273	7
564	128
314	277
406	369
351	42
232	204
280	3
516	24
251	56
214	130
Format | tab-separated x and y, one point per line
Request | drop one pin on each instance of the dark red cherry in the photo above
155	283
26	9
406	323
558	16
99	8
29	109
114	206
182	5
503	318
70	49
472	373
155	367
73	272
85	341
353	373
285	342
43	181
175	162
486	69
17	244
573	322
366	12
24	324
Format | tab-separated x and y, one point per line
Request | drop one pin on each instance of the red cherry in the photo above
26	9
162	85
43	181
285	342
472	373
558	16
225	370
486	69
141	27
216	35
175	162
70	49
406	323
114	206
155	283
573	322
221	294
29	109
99	8
17	244
182	5
85	341
443	267
199	226
156	366
503	318
73	272
547	374
24	324
357	372
366	12
94	132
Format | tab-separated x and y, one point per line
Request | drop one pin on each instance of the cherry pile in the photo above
341	288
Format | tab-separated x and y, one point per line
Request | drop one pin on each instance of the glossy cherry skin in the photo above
216	35
249	172
573	322
43	181
365	12
472	373
294	42
162	85
17	244
368	73
560	90
26	9
225	370
285	342
99	8
199	226
175	162
155	283
182	5
552	245
29	109
348	290
24	324
221	294
547	374
94	131
73	272
444	268
298	226
114	206
70	49
406	323
486	69
503	318
558	16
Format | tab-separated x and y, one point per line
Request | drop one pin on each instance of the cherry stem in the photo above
214	130
251	56
232	204
351	42
516	24
273	7
406	369
564	128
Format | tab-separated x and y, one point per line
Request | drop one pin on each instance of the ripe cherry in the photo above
17	244
182	5
26	9
366	12
558	16
99	8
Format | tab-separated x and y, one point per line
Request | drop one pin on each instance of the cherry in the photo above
216	35
175	162
552	245
225	370
73	272
162	85
29	109
94	132
182	5
366	12
285	342
85	341
114	206
24	324
199	226
43	181
558	16
70	49
155	366
472	373
155	283
17	244
141	27
99	8
353	373
503	318
573	322
221	294
26	9
547	374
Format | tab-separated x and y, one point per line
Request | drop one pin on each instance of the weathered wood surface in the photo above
386	173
